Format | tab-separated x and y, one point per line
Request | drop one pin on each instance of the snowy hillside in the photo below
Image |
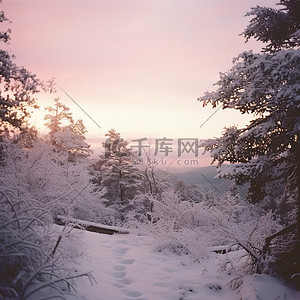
126	267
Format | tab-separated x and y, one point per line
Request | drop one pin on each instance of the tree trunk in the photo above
298	188
121	189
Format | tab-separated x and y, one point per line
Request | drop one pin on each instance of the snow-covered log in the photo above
90	226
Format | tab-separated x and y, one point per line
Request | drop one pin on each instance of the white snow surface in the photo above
126	267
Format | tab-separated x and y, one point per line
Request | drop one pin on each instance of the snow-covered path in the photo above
126	268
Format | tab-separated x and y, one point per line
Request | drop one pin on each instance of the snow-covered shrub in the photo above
242	227
182	227
65	187
35	184
195	229
30	260
240	221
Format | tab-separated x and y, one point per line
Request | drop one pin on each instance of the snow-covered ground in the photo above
125	267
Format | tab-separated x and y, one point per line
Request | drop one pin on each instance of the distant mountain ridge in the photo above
205	177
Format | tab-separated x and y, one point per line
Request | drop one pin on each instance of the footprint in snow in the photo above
119	268
131	293
120	251
127	261
119	274
118	285
125	281
138	298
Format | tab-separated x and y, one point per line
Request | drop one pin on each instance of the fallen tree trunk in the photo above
90	226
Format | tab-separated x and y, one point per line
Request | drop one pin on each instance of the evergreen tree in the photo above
65	133
265	85
119	174
279	28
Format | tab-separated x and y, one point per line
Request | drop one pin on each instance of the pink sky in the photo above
134	65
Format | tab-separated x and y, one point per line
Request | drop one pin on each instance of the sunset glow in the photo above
136	66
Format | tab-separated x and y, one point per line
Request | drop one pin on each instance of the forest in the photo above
43	176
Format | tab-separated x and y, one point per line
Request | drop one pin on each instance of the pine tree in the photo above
119	174
65	133
265	85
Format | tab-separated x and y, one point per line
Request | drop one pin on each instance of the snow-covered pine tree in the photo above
118	173
279	28
68	154
266	85
65	133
